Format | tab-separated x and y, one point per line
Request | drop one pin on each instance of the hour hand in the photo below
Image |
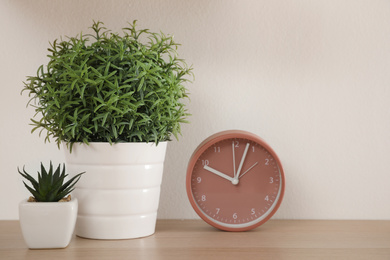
220	174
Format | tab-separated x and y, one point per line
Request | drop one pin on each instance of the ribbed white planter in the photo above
120	191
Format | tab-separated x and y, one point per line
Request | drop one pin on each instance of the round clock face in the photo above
235	181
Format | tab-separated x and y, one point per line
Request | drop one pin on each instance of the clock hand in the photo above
220	174
242	162
234	161
249	169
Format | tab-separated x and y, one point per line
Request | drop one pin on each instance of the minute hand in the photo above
242	162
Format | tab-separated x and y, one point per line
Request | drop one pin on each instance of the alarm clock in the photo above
235	181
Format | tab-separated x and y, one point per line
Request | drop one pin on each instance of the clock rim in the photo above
211	140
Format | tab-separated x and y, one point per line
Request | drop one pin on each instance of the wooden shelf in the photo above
193	239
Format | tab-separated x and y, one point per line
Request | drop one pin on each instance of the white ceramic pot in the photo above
120	191
47	224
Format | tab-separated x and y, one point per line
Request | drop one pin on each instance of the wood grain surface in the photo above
193	239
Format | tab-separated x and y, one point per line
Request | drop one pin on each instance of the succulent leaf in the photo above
29	178
33	192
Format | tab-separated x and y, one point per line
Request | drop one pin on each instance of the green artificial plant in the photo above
106	87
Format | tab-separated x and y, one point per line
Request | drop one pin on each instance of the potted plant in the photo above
113	101
48	218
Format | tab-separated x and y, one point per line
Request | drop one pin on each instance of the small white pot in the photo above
47	224
120	191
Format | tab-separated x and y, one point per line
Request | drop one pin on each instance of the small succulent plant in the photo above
50	186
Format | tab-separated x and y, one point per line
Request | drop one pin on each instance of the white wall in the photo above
310	77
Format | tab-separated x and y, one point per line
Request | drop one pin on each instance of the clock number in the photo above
199	179
253	211
266	161
253	149
237	144
203	197
271	180
217	149
235	216
217	209
266	198
205	162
